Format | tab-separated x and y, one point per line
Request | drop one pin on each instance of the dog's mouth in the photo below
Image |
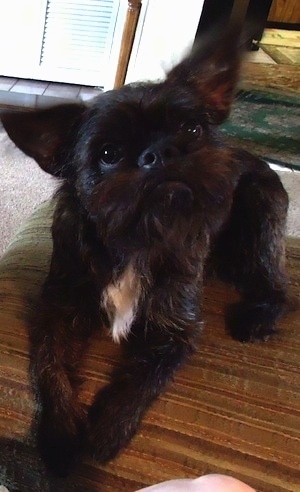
173	193
155	208
167	212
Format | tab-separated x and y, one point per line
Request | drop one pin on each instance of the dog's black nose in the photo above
157	156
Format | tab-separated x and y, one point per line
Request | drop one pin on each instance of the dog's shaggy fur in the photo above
151	202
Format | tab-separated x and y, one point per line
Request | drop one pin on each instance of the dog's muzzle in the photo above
175	193
172	198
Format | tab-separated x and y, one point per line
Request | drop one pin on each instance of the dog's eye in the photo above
192	129
111	154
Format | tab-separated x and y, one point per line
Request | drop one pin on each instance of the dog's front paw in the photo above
252	322
107	436
105	443
113	420
60	442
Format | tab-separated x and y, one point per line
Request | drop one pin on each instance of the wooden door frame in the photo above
131	21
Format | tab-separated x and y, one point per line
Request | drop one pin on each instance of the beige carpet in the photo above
23	186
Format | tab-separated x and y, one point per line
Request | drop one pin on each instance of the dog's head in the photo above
144	157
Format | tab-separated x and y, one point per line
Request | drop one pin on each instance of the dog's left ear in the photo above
44	134
211	71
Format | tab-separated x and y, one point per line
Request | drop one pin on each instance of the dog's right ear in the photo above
211	71
45	134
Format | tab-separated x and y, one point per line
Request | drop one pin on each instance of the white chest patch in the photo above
120	299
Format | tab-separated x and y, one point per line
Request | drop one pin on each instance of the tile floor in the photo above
41	88
35	93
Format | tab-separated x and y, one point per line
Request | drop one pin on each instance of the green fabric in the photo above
267	124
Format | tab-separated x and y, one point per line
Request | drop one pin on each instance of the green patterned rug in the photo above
267	124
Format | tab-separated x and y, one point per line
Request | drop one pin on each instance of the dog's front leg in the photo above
153	352
251	253
58	342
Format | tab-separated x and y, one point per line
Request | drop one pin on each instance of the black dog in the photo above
150	197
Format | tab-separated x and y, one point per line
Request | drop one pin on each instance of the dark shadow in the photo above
22	470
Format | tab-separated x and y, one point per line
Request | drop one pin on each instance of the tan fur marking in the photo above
120	300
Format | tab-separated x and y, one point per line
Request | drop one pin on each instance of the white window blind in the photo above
78	34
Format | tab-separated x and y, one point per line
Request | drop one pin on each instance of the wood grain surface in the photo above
285	11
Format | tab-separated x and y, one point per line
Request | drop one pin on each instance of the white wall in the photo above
165	31
21	29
